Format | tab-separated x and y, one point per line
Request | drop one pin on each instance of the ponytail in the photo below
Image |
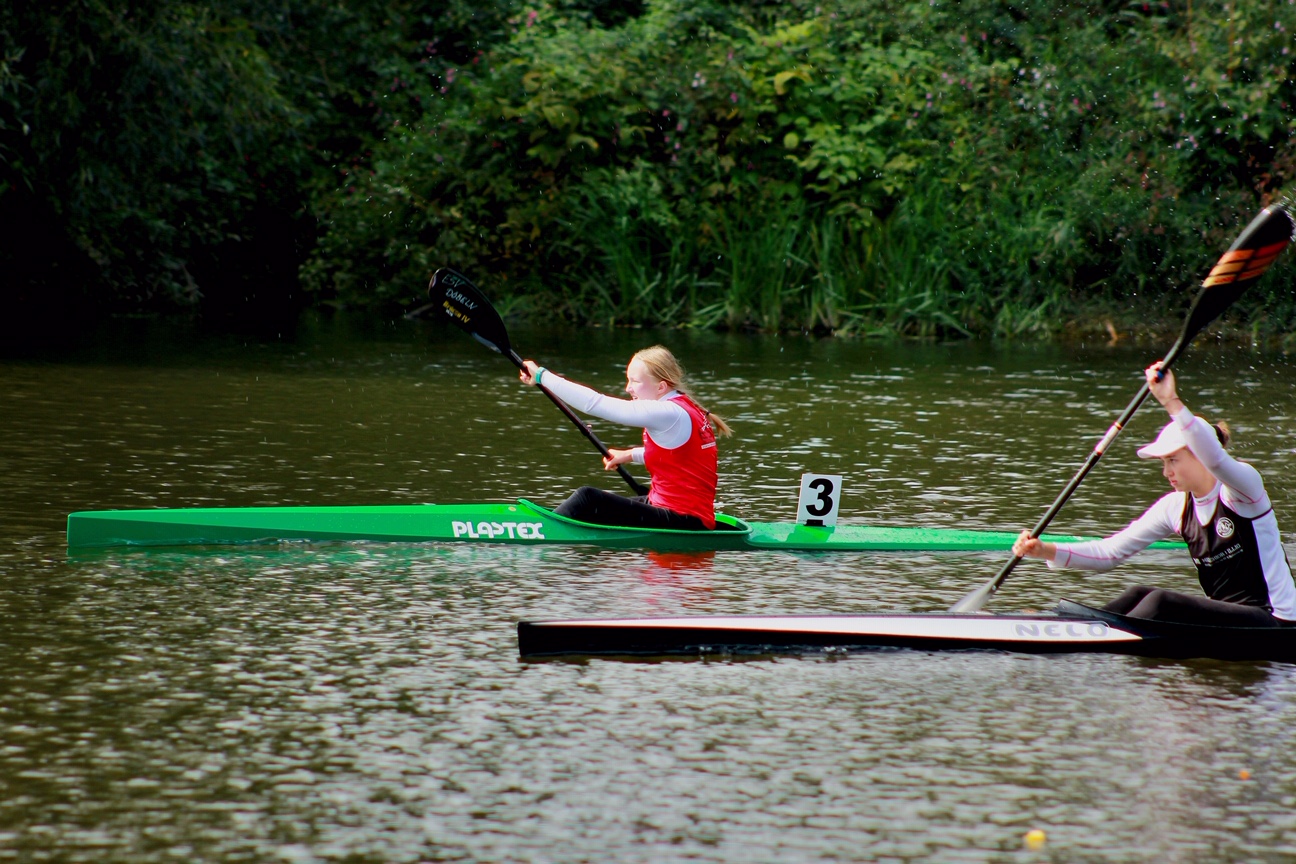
661	363
1223	433
718	424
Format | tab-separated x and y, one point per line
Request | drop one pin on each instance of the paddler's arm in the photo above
651	415
1241	477
1157	523
1162	386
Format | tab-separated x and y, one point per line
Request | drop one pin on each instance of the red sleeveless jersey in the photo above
684	479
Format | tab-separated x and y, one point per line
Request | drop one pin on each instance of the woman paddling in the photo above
679	446
1220	509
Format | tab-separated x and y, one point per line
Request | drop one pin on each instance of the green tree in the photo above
158	155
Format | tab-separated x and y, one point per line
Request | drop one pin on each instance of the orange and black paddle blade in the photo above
1258	246
1245	261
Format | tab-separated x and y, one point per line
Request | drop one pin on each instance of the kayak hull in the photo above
1073	628
521	523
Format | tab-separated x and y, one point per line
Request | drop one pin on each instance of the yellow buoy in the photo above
1034	838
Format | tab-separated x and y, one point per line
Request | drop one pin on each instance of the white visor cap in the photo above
1170	440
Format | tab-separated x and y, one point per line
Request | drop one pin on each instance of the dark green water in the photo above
365	703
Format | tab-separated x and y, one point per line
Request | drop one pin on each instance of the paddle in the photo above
471	312
1244	262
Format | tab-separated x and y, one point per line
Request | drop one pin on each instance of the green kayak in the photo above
522	523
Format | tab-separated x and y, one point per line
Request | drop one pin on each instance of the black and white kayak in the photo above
1070	628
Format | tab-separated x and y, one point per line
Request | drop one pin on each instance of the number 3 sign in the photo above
819	498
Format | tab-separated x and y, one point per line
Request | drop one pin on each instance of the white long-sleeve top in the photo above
666	423
1240	487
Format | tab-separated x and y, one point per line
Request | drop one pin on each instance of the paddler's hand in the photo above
528	372
1164	389
1027	546
616	458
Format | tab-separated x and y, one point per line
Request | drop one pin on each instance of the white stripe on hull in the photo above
973	628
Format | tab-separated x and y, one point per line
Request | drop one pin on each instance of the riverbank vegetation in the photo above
924	168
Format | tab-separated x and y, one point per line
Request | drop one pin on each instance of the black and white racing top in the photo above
1232	532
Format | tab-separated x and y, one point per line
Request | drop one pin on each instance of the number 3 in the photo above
824	505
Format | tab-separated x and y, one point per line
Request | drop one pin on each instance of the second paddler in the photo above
679	445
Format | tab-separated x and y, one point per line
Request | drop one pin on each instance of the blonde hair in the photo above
662	365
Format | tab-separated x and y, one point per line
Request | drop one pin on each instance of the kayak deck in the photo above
1072	628
808	538
520	523
523	523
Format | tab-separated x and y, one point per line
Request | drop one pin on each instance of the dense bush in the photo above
926	167
923	167
135	142
158	154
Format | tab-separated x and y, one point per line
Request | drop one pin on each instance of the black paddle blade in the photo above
1259	244
469	309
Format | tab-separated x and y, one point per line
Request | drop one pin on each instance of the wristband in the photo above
540	370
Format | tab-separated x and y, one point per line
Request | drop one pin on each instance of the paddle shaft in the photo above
1245	261
635	485
1099	449
470	311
